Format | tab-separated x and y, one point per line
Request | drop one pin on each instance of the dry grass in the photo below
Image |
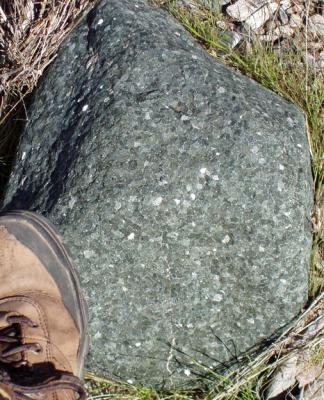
30	33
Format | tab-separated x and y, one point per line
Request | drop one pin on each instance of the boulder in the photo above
182	188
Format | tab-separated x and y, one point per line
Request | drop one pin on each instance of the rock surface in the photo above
316	24
258	18
182	188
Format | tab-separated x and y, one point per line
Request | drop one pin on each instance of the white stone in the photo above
260	17
100	21
295	21
243	9
235	39
240	10
221	25
316	24
84	108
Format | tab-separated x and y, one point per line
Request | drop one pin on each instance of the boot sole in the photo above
42	238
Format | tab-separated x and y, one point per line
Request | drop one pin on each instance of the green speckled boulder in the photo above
182	188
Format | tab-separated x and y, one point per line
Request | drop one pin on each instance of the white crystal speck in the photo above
157	201
226	239
131	236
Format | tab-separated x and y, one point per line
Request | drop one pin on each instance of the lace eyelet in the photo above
38	349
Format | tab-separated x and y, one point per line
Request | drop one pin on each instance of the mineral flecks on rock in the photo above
182	188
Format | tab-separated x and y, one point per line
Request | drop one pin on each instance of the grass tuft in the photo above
101	388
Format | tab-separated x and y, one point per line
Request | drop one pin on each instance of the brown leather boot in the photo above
43	317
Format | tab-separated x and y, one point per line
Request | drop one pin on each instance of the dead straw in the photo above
30	34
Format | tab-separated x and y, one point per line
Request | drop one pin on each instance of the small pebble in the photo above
234	40
221	24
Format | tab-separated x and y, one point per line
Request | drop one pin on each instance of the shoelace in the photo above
10	341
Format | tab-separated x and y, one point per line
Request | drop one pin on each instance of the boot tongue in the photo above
6	393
